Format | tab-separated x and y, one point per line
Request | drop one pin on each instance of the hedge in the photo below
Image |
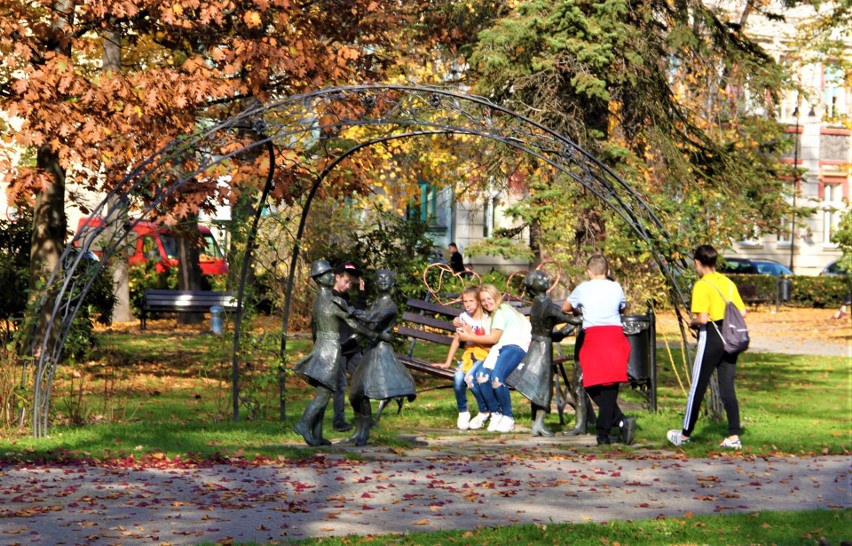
824	291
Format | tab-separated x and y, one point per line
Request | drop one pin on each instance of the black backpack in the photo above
734	331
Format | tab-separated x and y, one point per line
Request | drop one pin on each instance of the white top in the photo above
480	327
516	330
602	301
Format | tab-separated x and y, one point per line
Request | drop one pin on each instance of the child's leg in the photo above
509	358
604	396
460	390
483	383
475	388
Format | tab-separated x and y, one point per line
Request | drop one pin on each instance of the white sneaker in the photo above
731	444
478	421
506	424
677	438
495	420
463	422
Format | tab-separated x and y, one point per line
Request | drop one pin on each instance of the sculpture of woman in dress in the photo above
534	376
379	376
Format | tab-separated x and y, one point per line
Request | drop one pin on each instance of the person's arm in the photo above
700	303
490	338
454	346
361	298
699	319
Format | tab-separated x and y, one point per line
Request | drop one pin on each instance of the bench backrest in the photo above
155	298
429	321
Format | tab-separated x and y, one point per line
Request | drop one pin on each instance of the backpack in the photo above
734	331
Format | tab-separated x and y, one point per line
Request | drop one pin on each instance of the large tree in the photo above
674	96
100	85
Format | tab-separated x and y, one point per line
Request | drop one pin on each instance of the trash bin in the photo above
785	289
637	328
217	325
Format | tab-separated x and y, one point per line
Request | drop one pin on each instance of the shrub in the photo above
806	292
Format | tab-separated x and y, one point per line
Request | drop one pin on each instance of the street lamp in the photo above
795	186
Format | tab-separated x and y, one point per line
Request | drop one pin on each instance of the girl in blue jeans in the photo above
472	358
511	335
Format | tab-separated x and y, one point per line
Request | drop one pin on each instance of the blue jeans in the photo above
461	383
491	382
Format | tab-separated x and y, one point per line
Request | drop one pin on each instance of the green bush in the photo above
816	292
15	278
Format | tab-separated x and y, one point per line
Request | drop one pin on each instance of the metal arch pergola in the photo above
298	123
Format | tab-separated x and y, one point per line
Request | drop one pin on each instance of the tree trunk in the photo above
49	223
535	242
189	268
120	277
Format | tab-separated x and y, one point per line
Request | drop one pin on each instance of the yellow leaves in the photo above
252	19
177	9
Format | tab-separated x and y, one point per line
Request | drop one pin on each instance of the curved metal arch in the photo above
299	122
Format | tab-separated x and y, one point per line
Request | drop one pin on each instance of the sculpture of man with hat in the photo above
321	367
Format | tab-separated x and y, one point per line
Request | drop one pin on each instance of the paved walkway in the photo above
440	485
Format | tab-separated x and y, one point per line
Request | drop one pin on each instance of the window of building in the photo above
832	207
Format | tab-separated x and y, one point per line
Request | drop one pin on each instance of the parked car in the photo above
152	242
750	266
833	269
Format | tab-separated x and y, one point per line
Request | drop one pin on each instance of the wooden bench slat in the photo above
426	320
421	365
424	335
436	308
184	301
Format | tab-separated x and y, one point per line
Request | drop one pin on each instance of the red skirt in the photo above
604	355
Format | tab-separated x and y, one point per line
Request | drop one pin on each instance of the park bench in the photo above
749	295
183	301
431	322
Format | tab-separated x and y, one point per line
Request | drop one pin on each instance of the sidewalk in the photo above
439	484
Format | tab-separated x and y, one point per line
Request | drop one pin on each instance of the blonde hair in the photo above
471	290
495	294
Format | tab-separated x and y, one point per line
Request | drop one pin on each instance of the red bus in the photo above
152	242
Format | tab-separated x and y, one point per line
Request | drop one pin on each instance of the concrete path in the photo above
455	482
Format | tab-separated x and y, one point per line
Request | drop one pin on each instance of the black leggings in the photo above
710	356
605	398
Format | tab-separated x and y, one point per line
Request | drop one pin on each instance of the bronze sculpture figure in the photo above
534	376
321	367
379	375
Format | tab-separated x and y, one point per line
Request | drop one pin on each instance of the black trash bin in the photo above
785	289
637	329
641	367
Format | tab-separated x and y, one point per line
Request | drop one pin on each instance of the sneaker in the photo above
628	430
495	420
478	421
677	438
342	427
463	422
506	424
731	444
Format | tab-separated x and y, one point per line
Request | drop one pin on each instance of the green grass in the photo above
777	528
169	393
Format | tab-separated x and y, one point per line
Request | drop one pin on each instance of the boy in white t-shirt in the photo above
605	349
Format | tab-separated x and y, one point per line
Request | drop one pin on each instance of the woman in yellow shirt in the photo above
708	305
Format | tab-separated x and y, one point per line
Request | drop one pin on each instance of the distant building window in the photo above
426	210
832	207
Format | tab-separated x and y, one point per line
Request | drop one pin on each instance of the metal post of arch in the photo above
297	123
